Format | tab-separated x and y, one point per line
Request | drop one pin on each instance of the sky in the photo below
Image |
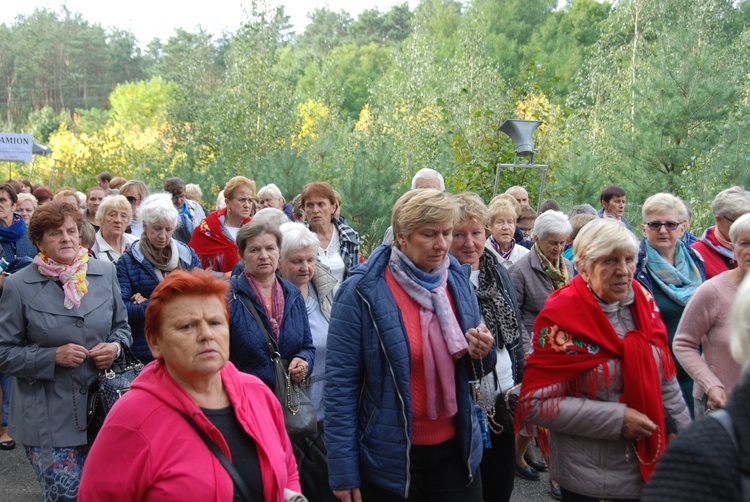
159	18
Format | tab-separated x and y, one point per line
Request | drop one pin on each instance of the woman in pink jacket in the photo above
150	447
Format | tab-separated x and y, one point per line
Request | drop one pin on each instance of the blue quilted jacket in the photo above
136	275
247	344
368	420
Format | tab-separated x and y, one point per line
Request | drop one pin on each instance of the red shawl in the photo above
215	249
573	340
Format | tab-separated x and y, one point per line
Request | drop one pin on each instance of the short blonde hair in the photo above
661	203
117	202
193	192
602	237
470	207
503	207
236	183
419	207
22	197
509	198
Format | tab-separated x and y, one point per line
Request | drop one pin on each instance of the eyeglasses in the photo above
656	225
132	199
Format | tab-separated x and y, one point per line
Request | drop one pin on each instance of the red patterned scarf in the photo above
215	249
571	351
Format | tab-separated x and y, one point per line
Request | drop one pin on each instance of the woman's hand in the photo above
137	299
298	369
352	495
70	355
480	341
636	425
103	354
717	398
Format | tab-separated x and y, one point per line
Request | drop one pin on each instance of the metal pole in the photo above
541	188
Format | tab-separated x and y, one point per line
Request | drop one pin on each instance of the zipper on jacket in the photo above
400	397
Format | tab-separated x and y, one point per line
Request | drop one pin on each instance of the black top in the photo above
242	449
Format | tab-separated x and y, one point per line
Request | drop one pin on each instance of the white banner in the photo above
15	147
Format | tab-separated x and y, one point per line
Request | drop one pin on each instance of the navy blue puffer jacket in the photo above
247	344
368	422
136	275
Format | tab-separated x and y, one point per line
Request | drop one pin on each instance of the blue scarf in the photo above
186	217
678	282
15	231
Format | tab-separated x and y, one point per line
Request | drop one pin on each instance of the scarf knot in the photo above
678	281
72	277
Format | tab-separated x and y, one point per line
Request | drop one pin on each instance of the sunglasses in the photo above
132	200
656	225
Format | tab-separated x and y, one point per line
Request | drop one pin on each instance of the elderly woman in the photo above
669	269
135	192
707	461
13	229
603	379
536	276
502	242
497	304
339	243
61	321
214	239
191	213
188	401
279	304
114	216
270	196
714	245
705	328
299	265
404	340
26	206
148	262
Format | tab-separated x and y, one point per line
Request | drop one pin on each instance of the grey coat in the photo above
33	324
533	286
588	453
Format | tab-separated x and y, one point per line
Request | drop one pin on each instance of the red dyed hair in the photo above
318	189
179	284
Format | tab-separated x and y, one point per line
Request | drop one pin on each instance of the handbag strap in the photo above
238	481
273	347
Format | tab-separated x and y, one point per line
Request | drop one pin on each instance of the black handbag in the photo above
115	381
299	413
111	385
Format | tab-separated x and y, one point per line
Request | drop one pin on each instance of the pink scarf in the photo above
442	338
72	277
277	303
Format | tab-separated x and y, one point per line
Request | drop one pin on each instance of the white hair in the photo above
158	208
296	236
272	216
270	190
740	226
427	174
552	223
731	202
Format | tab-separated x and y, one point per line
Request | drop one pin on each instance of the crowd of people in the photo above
432	365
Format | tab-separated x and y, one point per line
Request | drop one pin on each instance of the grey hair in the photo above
295	237
731	202
552	223
193	192
740	226
117	202
158	208
740	340
662	203
427	173
599	238
582	209
270	190
271	216
254	229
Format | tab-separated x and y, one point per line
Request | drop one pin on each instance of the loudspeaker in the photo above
521	132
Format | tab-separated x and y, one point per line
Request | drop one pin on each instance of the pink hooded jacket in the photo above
148	451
